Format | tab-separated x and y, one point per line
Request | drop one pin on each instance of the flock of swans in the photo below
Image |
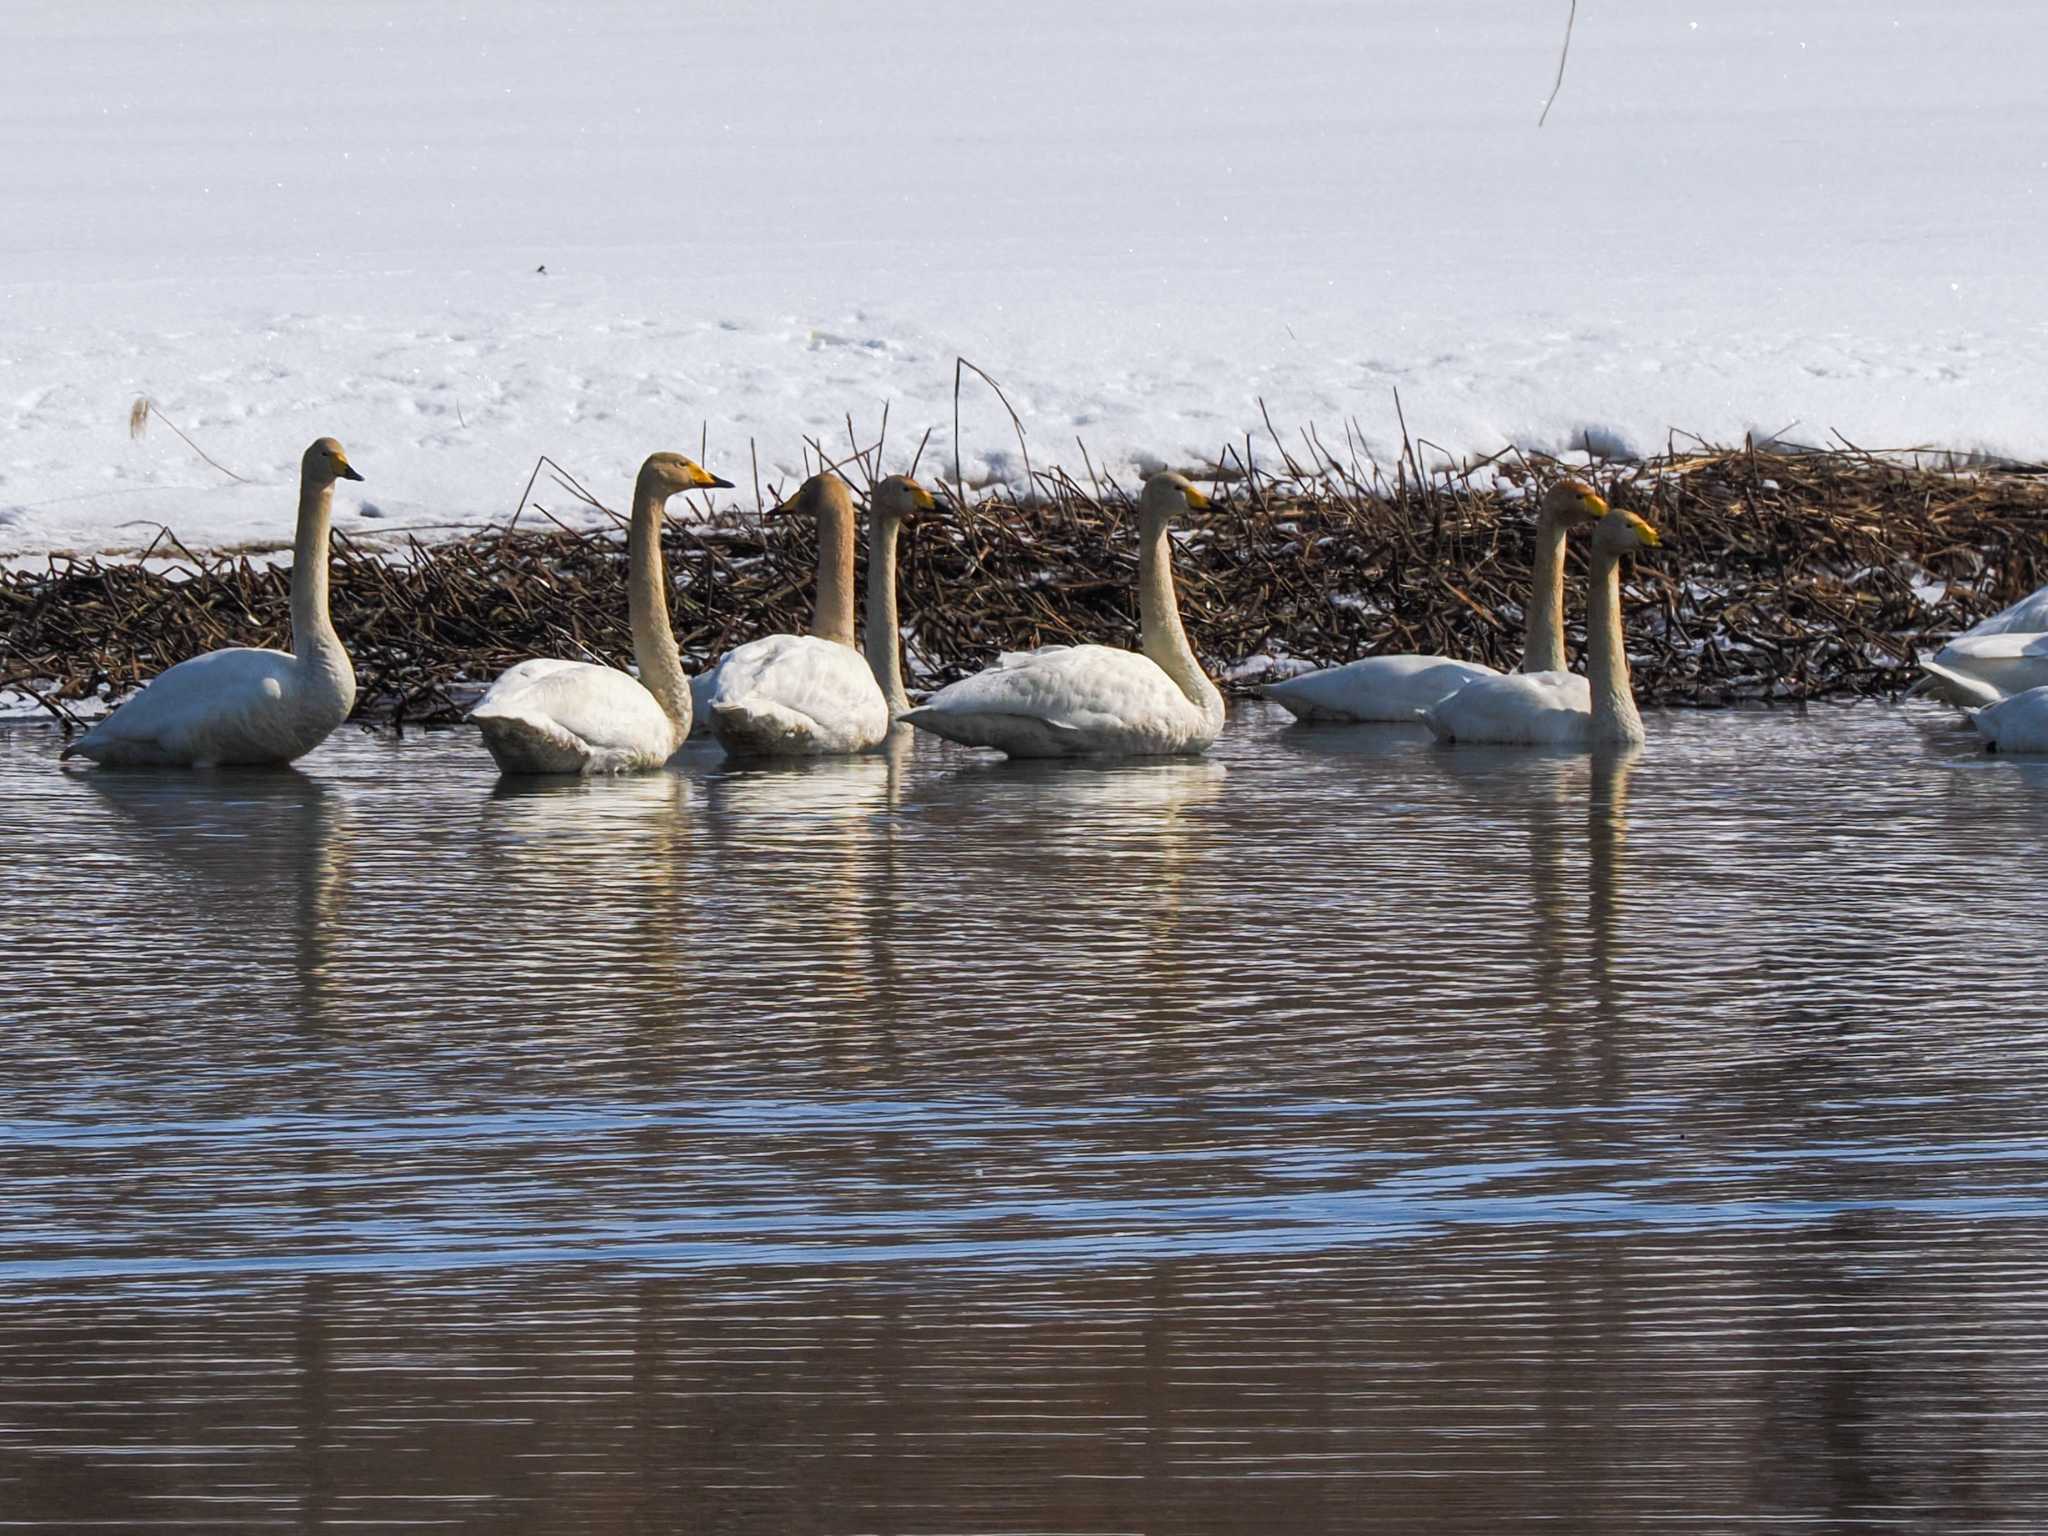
817	694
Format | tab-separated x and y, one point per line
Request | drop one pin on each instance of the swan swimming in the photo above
1396	687
1558	708
1993	659
1093	700
248	705
815	695
546	716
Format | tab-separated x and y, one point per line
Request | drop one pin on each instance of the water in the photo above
1336	1134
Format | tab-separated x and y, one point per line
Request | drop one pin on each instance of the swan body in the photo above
1980	668
815	695
1093	700
2017	723
549	716
2028	616
1398	687
1558	709
1375	687
248	705
795	696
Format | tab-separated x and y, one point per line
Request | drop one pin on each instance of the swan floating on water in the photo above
2017	722
248	705
1558	708
546	716
1993	659
1397	687
815	695
1093	700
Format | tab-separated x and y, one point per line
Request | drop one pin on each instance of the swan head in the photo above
899	499
326	463
1621	532
1572	503
1167	495
815	497
671	473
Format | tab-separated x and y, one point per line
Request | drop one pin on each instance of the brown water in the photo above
1338	1134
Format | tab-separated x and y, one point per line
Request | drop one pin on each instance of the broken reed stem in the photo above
138	423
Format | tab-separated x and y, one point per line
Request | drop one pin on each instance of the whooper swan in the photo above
2015	723
1994	658
1092	700
248	705
1557	708
1396	687
547	716
815	695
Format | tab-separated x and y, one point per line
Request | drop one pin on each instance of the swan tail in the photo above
521	745
1016	735
762	728
1953	687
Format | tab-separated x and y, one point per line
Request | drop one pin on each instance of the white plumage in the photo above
1375	688
1994	658
1399	687
248	705
2018	723
1528	708
794	696
1559	708
815	695
1070	701
550	716
1092	700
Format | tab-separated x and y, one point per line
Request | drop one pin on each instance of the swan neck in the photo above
832	619
1543	637
1615	718
313	636
654	643
884	636
1159	628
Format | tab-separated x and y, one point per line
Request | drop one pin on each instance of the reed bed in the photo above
1785	576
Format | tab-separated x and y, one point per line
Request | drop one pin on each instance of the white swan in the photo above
1558	708
546	716
1992	659
1092	700
2015	723
1396	687
247	705
815	695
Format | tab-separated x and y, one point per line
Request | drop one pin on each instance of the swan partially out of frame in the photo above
1093	700
1396	687
1558	708
547	716
815	695
248	705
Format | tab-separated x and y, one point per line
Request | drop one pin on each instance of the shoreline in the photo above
1784	578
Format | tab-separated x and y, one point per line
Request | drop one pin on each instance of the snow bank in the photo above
283	219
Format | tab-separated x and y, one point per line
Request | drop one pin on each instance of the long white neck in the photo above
832	618
314	641
1159	627
1543	636
1614	705
884	639
654	643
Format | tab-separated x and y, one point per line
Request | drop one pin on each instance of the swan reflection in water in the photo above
242	845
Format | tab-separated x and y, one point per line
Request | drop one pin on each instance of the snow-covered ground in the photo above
279	218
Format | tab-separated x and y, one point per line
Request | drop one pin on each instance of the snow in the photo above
282	218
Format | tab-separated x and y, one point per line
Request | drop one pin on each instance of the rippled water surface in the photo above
1339	1133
